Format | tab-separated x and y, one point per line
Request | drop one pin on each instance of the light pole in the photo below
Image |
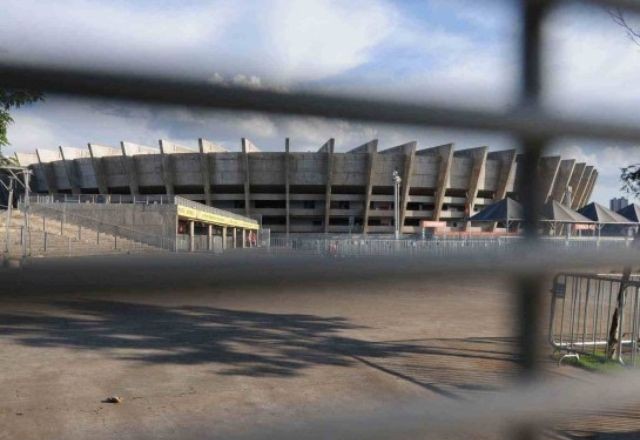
9	208
396	202
568	201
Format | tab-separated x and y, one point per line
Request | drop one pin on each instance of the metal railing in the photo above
117	199
528	122
434	247
50	199
94	228
582	309
32	242
201	243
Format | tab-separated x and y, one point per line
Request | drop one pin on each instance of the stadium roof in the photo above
554	211
631	212
601	214
506	209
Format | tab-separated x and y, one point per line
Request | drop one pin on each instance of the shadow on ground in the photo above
246	342
610	424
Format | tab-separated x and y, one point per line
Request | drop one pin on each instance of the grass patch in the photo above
596	363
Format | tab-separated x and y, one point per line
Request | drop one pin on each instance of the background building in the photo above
321	191
616	204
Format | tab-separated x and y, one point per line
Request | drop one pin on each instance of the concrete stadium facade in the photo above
311	192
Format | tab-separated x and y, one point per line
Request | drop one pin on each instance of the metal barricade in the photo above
583	307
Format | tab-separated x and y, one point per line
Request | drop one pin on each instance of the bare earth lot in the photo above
198	345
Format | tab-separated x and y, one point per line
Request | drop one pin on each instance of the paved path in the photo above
198	346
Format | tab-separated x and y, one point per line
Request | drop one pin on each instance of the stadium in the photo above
312	192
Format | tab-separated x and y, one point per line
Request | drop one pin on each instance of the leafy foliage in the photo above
630	177
12	98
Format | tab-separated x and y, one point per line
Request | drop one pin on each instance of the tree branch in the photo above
618	17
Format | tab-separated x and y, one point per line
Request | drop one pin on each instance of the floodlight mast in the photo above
397	180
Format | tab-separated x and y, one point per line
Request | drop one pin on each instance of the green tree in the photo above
11	99
630	177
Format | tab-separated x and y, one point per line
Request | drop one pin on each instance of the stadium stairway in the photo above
47	237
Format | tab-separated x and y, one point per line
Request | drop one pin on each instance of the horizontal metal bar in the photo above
522	121
589	343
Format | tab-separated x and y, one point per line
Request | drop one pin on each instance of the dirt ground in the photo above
199	346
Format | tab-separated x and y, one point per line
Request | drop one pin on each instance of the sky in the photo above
462	53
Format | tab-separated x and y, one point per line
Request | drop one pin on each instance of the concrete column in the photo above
593	184
574	182
410	153
549	168
210	238
70	167
244	238
96	152
224	237
589	188
235	233
168	175
286	187
371	150
192	232
328	148
247	147
205	171
506	173
45	157
581	190
505	176
479	157
130	165
444	153
562	181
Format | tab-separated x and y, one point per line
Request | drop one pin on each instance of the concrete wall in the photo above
158	220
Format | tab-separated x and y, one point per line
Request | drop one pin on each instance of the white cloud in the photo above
593	67
278	39
33	132
607	160
106	35
313	39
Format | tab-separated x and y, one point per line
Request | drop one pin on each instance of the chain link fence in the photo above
529	403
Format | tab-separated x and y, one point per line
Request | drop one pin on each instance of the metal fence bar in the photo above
528	122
